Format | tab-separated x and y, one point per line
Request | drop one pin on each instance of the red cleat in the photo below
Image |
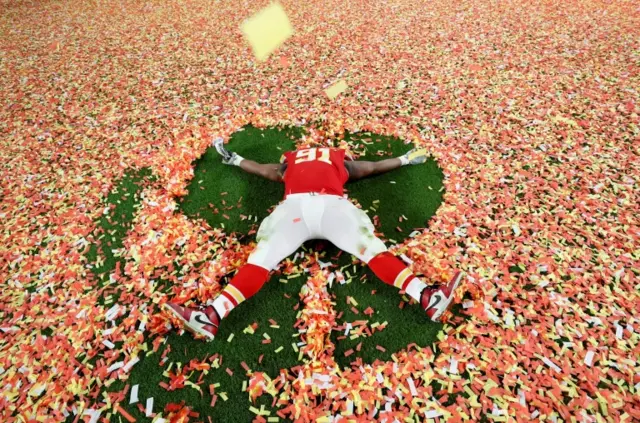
435	300
202	322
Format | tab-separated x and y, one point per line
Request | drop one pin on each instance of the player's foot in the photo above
436	299
203	322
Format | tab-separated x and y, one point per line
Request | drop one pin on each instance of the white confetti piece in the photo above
134	394
130	364
95	414
412	386
149	408
619	331
406	259
432	414
115	366
348	327
468	304
551	364
453	366
521	398
330	279
588	359
112	312
349	407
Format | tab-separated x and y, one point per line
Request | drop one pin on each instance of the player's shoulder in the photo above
287	154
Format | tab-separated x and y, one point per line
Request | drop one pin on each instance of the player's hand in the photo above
228	157
414	157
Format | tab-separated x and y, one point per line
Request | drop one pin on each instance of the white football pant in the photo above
301	217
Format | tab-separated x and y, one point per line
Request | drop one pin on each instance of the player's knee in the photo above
249	279
372	249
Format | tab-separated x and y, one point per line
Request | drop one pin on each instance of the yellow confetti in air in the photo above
267	30
336	89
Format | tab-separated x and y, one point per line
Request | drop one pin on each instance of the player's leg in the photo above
279	235
351	230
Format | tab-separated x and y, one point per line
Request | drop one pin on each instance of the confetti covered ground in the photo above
250	336
529	110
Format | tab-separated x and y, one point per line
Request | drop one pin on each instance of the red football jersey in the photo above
318	170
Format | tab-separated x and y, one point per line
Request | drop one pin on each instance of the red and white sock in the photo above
392	271
249	279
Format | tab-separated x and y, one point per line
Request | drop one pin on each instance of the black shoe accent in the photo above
438	299
198	319
208	311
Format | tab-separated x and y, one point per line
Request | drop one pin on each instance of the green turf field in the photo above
412	191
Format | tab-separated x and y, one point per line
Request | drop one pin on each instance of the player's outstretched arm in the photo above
271	171
361	169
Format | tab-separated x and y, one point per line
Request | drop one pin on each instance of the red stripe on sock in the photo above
407	281
230	298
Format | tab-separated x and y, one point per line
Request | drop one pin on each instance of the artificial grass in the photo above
412	191
114	224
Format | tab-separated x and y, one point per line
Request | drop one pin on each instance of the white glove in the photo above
228	157
414	157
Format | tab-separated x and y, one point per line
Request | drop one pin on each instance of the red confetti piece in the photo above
126	415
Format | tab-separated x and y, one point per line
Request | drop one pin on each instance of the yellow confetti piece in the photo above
279	349
230	337
336	89
267	30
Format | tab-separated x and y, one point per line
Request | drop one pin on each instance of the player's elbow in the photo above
360	169
366	169
270	174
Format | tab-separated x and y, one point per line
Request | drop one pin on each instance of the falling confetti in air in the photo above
267	30
336	89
